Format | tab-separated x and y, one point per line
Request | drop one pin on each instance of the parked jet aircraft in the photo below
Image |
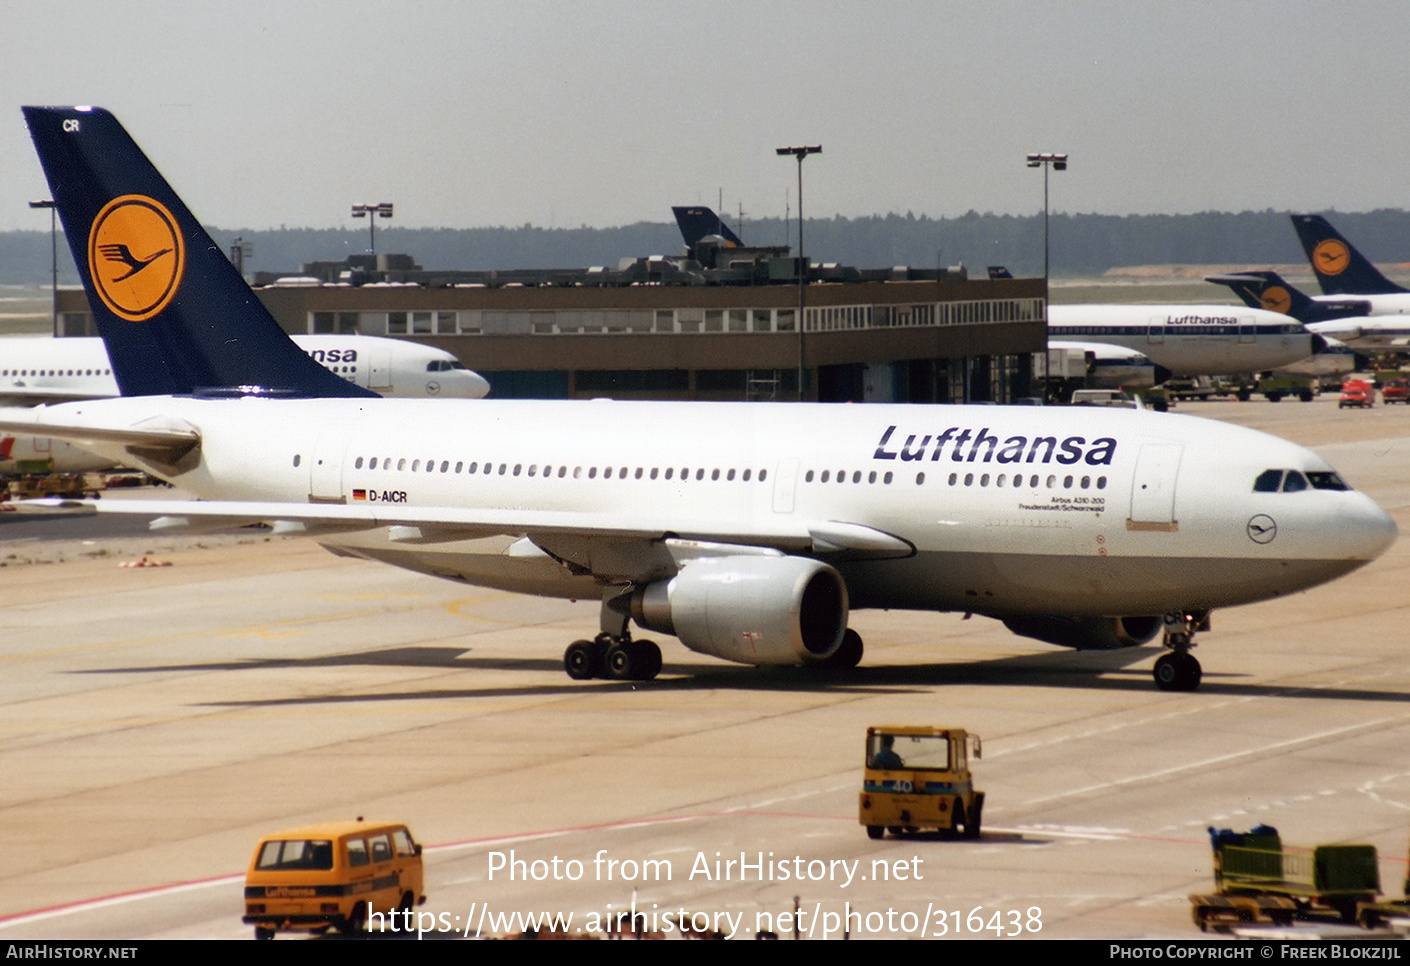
37	370
697	222
1269	290
45	370
1345	319
747	530
1342	270
1190	340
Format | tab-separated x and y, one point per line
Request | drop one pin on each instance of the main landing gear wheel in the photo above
1179	671
618	659
583	660
633	661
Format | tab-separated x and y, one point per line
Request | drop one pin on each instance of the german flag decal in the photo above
135	256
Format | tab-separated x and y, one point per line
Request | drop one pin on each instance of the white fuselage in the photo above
996	510
1189	340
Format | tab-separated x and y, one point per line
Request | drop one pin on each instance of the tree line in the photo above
1080	244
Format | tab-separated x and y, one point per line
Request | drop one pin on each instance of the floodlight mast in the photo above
372	213
800	153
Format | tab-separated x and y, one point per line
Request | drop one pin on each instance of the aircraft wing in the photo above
572	535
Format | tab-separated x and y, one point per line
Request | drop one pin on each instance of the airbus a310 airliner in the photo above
749	530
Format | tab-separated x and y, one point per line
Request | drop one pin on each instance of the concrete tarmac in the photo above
154	722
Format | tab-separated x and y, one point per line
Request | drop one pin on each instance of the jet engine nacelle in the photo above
754	610
1086	633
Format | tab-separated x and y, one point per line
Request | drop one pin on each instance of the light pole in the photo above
239	251
53	260
372	213
800	153
1057	162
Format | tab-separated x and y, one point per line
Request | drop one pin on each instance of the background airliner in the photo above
40	370
36	370
1190	340
1342	270
747	530
1351	320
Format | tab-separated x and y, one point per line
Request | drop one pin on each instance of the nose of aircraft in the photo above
478	385
1363	529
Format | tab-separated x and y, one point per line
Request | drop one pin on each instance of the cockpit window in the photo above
1268	481
1326	481
1292	481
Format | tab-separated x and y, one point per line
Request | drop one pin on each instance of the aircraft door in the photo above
1155	331
325	469
785	485
1248	330
1153	487
379	367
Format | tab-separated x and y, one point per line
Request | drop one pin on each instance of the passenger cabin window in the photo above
296	854
357	852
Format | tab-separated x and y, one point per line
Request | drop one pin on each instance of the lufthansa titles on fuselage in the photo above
969	446
1201	320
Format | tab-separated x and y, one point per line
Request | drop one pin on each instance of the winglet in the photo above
175	315
1339	267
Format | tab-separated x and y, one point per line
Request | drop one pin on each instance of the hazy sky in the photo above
605	113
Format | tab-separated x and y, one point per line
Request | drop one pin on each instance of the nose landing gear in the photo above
1180	670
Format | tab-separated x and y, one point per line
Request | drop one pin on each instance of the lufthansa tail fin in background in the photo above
1340	268
695	222
176	316
1268	290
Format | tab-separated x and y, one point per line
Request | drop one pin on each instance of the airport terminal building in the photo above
942	339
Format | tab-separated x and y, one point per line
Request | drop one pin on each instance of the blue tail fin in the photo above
175	315
1340	268
998	271
1268	290
697	222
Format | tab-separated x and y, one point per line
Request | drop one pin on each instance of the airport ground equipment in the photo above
343	875
918	778
1255	877
1395	391
1357	393
1274	388
35	484
1374	913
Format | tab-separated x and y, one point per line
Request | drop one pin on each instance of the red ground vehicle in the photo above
1358	393
1395	391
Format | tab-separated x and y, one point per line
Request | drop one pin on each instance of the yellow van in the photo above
334	874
